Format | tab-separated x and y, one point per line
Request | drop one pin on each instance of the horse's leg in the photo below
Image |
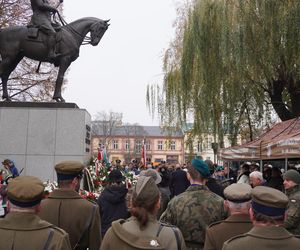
64	64
6	67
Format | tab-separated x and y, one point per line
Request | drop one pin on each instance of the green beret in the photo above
269	201
219	168
25	191
238	192
201	167
69	169
145	190
292	175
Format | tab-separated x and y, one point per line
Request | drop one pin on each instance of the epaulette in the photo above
297	236
61	231
215	223
236	237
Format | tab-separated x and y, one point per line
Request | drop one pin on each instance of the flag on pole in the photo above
98	159
144	153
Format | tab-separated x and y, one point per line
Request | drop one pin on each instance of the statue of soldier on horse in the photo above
46	41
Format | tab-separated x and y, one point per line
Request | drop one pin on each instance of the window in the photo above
199	146
172	145
127	145
138	146
160	145
148	147
115	144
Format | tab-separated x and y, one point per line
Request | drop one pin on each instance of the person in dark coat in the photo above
212	183
179	182
112	201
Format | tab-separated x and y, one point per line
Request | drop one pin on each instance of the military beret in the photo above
269	201
201	167
152	173
25	191
292	175
67	170
238	192
145	190
219	168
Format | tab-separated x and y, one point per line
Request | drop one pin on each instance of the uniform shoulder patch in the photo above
215	223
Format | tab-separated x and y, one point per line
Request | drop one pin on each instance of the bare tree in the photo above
105	125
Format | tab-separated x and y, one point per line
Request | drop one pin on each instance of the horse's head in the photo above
97	31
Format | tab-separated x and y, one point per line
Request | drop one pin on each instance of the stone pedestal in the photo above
36	136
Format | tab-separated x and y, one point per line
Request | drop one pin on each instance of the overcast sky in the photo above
113	76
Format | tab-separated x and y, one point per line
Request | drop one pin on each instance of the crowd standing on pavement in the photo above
198	205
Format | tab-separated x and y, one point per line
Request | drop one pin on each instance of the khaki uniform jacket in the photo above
127	235
219	232
264	238
20	231
66	209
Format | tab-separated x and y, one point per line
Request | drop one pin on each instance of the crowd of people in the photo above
196	206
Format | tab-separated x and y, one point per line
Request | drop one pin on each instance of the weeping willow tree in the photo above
233	64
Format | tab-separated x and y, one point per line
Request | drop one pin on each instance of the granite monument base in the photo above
36	136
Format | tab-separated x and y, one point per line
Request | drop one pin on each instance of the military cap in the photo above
201	167
292	175
6	162
152	173
67	170
238	192
269	201
25	191
145	190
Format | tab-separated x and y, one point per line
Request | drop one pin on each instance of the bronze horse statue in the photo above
16	44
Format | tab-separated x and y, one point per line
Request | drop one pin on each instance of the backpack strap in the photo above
177	236
50	237
159	229
175	230
87	225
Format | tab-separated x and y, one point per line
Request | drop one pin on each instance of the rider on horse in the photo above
41	19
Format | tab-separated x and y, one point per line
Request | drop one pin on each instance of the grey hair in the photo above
256	174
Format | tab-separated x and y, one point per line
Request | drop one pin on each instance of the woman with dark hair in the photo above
142	230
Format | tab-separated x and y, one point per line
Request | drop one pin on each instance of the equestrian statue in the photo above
47	41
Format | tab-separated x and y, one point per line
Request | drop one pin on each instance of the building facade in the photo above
125	142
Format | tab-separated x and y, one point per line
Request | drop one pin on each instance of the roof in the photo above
136	130
279	142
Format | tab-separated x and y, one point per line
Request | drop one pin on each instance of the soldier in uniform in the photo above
41	18
267	214
22	228
292	186
66	209
142	230
237	202
196	208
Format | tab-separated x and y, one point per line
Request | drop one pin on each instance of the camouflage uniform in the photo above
192	212
292	223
